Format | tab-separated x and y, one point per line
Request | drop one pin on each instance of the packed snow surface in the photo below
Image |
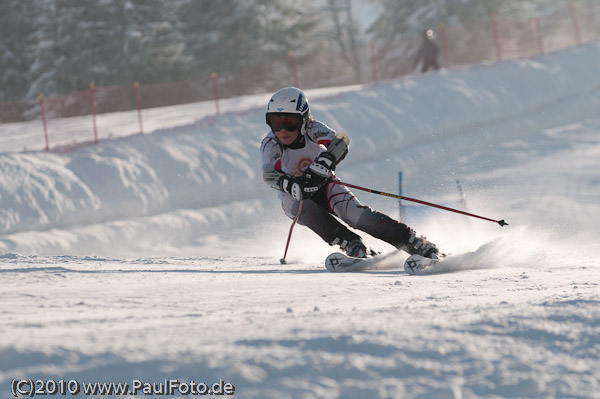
156	256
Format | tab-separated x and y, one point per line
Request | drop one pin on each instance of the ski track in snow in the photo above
157	257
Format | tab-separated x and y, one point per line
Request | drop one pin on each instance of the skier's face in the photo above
285	126
286	137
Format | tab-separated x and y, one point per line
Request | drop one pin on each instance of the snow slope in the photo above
156	256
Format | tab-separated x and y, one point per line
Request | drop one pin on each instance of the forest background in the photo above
59	46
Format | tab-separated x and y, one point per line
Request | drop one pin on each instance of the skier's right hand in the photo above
302	187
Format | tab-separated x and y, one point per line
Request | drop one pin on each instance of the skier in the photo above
428	52
299	156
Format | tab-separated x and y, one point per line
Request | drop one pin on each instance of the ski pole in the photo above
282	260
341	183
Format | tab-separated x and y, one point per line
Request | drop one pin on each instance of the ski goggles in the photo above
289	122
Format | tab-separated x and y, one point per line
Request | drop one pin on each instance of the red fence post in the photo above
445	49
540	36
44	121
374	63
293	66
575	20
139	105
93	97
215	87
496	37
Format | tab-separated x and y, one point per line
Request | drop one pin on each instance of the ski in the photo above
338	262
417	264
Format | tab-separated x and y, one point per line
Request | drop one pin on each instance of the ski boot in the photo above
354	246
420	246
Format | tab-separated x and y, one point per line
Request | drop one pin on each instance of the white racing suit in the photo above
331	199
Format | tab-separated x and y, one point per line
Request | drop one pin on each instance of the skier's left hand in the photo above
323	166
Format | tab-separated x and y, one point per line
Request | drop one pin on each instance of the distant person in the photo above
299	156
428	53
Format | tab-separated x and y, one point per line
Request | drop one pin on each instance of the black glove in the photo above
300	188
322	168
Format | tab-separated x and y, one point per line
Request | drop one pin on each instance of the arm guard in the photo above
339	146
271	177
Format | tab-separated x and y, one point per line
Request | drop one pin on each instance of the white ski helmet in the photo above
289	100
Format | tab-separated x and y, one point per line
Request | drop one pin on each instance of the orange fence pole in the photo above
374	63
575	20
44	121
93	97
213	78
540	36
138	101
293	66
496	37
445	49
